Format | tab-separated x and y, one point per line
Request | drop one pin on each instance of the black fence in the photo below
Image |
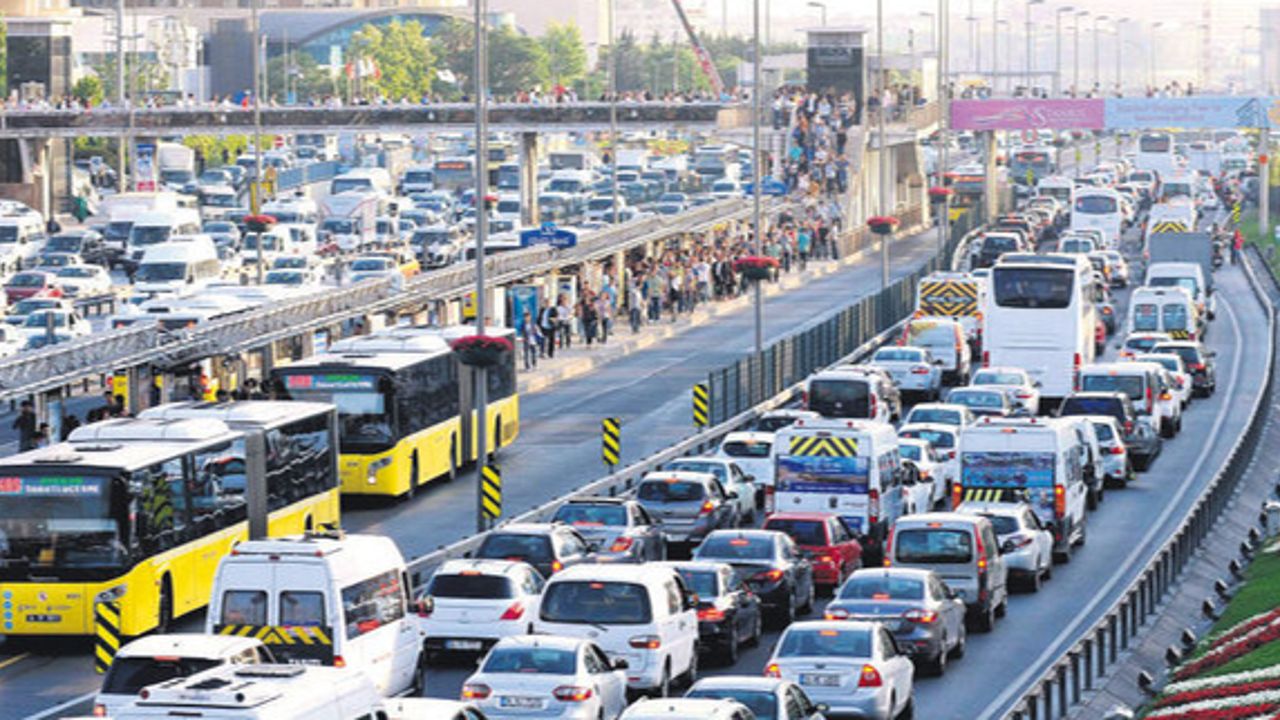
755	379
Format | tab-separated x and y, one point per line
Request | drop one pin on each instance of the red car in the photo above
836	552
31	283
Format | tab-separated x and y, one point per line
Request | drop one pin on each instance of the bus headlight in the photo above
111	594
375	466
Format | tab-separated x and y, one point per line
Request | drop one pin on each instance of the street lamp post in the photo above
1097	29
1057	49
883	155
1008	52
613	114
1153	44
933	31
944	98
822	7
975	47
1075	55
757	109
995	44
479	374
1030	59
1120	22
255	198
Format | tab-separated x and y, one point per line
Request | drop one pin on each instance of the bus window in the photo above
217	491
1096	205
162	517
1145	318
1154	143
363	413
1175	317
1033	287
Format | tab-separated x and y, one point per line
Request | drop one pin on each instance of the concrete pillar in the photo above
529	178
990	188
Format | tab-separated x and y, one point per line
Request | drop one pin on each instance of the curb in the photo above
536	380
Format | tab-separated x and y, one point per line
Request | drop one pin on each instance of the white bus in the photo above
1040	316
1097	208
1155	152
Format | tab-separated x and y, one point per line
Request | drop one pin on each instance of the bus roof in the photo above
239	413
353	361
97	455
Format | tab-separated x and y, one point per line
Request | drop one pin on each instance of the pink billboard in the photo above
1028	114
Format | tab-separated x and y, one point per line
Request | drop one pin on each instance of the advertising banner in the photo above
1186	112
1027	114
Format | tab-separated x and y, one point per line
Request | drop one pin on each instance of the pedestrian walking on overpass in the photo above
26	426
564	321
635	301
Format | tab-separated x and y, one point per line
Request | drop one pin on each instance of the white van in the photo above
642	614
292	209
1032	460
261	692
21	239
1188	275
153	228
156	658
372	179
347	594
847	467
1169	310
180	267
963	550
848	391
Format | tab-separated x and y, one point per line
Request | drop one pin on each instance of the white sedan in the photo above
913	369
1026	545
82	281
1022	391
66	324
548	677
851	666
936	474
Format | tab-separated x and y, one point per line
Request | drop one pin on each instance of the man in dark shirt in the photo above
25	424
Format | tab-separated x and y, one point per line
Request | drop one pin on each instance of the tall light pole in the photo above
1120	22
944	97
822	7
757	109
255	198
1153	44
995	44
1030	58
1075	55
1245	50
479	374
1008	51
933	32
975	47
1057	49
883	155
1097	71
121	184
613	114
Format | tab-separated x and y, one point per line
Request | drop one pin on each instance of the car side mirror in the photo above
732	494
619	664
424	605
952	594
1006	547
1037	385
822	708
691	602
749	478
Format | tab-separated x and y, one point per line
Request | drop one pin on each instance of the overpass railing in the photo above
307	174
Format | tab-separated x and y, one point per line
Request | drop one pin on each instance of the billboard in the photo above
1027	114
1186	112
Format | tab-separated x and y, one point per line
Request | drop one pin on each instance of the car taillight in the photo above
515	612
339	661
1059	501
556	566
873	507
1191	335
956	490
476	691
1197	367
711	615
826	559
1115	450
707	507
888	548
920	617
873	405
920	370
836	614
1165	396
804	399
768	576
1076	362
1024	395
773	671
870	677
645	642
621	544
986	358
1128	427
99	710
982	554
571	693
1150	401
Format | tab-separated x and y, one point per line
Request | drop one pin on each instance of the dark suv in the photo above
1140	439
1199	361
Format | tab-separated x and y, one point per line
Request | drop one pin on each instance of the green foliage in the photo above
566	53
4	58
516	62
140	76
403	55
308	79
88	89
218	149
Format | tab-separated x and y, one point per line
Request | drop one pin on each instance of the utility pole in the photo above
479	375
883	154
1057	50
1075	56
613	113
757	109
255	198
995	45
944	97
121	183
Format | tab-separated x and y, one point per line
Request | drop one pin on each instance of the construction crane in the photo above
700	53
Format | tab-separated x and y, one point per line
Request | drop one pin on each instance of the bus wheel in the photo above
453	461
308	524
413	476
166	606
497	438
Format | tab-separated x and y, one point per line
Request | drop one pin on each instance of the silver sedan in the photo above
913	369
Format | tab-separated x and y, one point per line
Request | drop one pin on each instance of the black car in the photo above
88	244
1140	439
548	547
1200	363
729	614
771	566
619	530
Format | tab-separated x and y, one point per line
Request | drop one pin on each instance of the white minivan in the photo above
178	267
261	692
1186	275
323	598
639	613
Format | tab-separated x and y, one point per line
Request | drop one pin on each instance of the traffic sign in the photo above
491	491
701	405
106	634
549	234
611	441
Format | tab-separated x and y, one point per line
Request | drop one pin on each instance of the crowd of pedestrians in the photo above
817	162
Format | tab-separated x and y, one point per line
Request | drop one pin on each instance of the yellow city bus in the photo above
398	394
140	511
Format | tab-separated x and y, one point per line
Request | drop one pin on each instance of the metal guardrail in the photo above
1075	671
624	481
307	174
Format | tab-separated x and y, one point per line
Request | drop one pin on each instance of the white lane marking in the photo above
996	707
57	709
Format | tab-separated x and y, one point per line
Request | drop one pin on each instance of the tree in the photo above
4	58
566	53
308	80
516	62
88	90
402	57
140	75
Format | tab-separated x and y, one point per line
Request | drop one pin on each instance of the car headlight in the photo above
111	594
375	466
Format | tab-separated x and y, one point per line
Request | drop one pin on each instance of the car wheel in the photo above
1047	569
938	665
1091	499
664	687
1166	429
909	711
807	607
957	652
691	675
1003	608
1063	556
757	631
731	650
1034	582
1084	534
419	687
985	622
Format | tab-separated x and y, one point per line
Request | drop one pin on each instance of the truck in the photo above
1177	215
350	219
633	159
176	164
1193	247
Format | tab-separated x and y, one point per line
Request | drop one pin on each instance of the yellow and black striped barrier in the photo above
491	491
1235	213
824	447
280	635
948	297
611	441
701	405
106	634
1168	226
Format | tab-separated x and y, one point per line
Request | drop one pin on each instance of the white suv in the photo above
640	613
471	604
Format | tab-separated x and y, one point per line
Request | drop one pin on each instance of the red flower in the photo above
882	220
938	193
1239	712
1213	693
488	343
1224	654
259	223
757	262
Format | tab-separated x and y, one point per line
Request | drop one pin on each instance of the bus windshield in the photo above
1033	288
50	523
364	421
1096	205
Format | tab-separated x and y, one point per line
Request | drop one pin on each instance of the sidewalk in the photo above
580	359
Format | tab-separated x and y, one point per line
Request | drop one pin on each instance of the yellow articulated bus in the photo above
398	394
140	512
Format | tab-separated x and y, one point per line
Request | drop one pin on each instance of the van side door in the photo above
678	625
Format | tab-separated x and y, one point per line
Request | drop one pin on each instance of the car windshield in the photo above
774	423
1146	317
370	264
986	400
882	587
934	415
932	335
991	377
937	438
803	532
1096	205
587	514
515	546
764	705
1003	524
701	466
76	272
826	643
1189	355
898	355
27	280
63	243
671	491
1130	385
1090	406
596	603
932	545
746	448
473	586
161	271
1103	431
910	452
702	583
286	277
339	226
733	547
140	235
1169	281
128	675
41	319
531	661
840	398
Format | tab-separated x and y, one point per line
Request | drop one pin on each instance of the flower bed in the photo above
756	267
882	224
1225	653
480	350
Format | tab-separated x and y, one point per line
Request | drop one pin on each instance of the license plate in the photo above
463	645
819	680
515	701
44	618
